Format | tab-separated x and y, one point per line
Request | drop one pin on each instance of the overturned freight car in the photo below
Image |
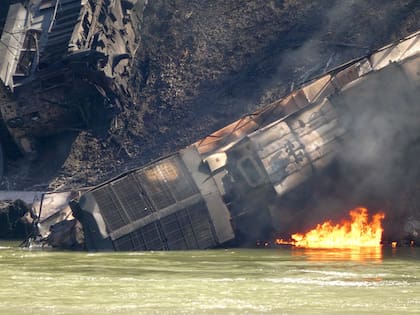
218	190
170	204
60	61
176	203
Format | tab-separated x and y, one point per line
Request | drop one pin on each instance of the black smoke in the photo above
378	163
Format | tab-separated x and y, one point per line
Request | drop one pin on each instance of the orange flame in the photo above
357	232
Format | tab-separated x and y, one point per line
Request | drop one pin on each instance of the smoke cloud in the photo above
377	166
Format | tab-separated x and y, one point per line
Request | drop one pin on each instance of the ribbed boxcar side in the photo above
168	205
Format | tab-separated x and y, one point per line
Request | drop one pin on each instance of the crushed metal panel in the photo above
54	221
50	203
52	208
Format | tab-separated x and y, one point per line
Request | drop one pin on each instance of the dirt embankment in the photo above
201	65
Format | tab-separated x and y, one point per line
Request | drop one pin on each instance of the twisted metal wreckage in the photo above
58	59
218	190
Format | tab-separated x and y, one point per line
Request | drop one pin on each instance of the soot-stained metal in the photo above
219	191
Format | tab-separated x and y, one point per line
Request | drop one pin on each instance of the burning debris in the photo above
357	232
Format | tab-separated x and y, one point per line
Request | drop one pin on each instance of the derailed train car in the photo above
217	191
169	204
60	61
175	203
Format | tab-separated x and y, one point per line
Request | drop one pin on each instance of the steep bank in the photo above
201	65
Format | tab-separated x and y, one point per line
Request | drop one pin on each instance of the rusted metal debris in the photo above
218	190
58	61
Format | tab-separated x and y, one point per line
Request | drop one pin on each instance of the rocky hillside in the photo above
202	64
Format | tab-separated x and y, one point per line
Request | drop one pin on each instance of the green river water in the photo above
233	281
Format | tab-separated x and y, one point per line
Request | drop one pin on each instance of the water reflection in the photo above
382	281
353	254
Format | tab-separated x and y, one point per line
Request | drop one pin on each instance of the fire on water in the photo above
356	232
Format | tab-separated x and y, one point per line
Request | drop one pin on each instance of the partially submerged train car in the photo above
218	190
170	204
176	203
